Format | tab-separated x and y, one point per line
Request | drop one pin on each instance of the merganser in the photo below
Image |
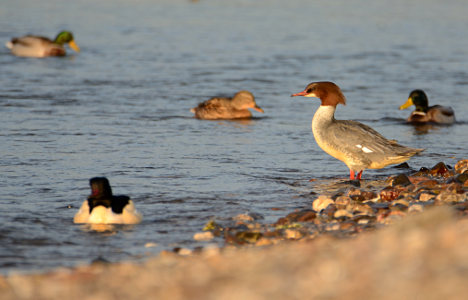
227	108
425	113
38	46
357	145
102	207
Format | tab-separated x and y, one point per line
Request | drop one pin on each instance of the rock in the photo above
212	225
462	178
422	172
401	180
363	218
447	197
243	218
203	236
415	208
426	197
461	166
248	236
389	193
292	234
264	242
305	215
359	195
329	211
348	225
361	208
321	203
183	251
441	170
399	205
402	166
342	201
342	214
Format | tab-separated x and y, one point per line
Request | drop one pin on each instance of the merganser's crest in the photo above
328	92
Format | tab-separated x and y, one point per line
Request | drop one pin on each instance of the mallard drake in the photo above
102	207
236	107
425	113
38	46
357	145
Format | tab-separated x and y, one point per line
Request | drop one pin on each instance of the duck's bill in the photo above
74	46
407	104
303	93
257	108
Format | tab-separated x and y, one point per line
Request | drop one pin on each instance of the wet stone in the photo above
360	195
462	178
305	215
321	203
426	197
348	225
329	211
389	193
342	214
422	172
429	183
292	234
461	166
342	201
203	236
441	170
415	208
448	197
401	180
361	208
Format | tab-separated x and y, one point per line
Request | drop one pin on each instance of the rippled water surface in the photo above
120	109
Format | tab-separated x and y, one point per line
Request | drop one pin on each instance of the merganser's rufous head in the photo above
328	92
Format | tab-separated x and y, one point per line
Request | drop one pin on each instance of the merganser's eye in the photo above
310	90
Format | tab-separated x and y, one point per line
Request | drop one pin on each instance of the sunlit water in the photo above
120	109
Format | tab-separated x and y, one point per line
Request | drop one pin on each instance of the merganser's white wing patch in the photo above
364	148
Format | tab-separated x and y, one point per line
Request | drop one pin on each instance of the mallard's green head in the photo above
66	37
417	98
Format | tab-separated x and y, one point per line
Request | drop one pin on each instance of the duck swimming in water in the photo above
102	207
425	113
38	46
227	108
357	145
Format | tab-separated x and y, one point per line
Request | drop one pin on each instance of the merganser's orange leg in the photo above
352	175
358	177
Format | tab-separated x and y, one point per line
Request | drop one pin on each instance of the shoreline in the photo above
407	240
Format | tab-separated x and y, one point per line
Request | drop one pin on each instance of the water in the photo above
120	109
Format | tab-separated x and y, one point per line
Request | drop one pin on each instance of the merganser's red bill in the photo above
303	93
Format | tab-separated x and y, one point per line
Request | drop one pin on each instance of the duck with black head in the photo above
102	207
357	145
427	114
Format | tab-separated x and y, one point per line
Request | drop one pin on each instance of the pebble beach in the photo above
407	241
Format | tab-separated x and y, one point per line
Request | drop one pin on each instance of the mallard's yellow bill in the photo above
407	104
74	46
